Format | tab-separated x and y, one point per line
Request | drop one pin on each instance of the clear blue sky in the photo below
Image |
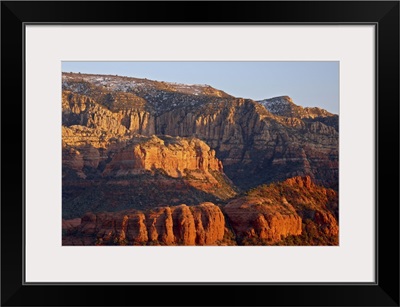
309	84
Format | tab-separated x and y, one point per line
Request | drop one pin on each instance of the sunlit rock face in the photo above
293	212
295	207
257	142
203	224
135	150
140	172
173	155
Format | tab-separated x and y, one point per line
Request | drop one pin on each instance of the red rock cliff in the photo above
175	156
179	225
296	207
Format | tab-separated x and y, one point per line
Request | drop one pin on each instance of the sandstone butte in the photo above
294	207
179	225
140	154
179	169
175	156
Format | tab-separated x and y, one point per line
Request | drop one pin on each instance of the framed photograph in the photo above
245	149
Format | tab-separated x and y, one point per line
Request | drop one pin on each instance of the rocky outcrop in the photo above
313	203
83	110
140	172
258	220
174	156
247	138
295	207
180	225
284	106
190	159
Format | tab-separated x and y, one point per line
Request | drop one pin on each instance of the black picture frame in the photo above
383	14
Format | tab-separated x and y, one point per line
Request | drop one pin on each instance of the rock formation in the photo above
175	156
295	207
284	106
180	225
293	212
255	219
246	137
140	173
134	150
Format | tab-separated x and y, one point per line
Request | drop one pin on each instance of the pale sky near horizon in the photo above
309	84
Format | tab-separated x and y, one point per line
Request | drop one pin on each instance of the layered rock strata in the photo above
248	137
140	173
180	225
